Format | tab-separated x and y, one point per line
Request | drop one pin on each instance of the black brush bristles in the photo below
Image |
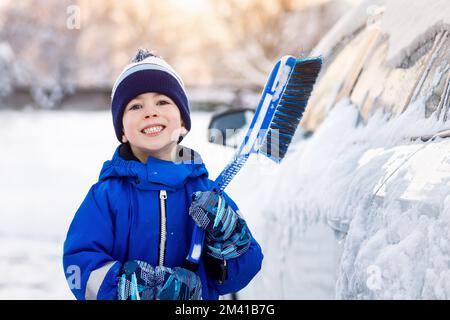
291	107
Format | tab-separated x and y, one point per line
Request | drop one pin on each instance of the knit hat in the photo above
147	73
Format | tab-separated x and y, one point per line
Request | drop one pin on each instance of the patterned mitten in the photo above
227	234
179	284
137	281
141	281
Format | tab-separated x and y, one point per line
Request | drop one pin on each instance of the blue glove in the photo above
141	281
227	234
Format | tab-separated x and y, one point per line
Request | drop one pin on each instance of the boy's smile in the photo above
152	125
153	130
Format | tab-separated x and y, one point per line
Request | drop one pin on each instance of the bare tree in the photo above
6	69
263	31
43	48
236	42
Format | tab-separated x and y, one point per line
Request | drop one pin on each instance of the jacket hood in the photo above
156	173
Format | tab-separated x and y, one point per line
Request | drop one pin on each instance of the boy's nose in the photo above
151	112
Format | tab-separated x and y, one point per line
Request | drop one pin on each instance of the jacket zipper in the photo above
162	226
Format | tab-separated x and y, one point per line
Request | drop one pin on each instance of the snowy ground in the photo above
49	161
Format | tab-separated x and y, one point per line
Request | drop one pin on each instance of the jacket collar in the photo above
155	174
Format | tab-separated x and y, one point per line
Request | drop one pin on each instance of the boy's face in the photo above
152	125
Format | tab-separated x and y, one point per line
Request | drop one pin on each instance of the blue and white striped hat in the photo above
147	73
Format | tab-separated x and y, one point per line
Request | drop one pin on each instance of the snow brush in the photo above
281	107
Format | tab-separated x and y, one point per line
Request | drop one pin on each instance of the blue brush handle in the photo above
195	251
227	174
198	235
261	120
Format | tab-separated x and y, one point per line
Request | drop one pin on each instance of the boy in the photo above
131	234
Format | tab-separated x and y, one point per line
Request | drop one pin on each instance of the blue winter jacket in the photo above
120	220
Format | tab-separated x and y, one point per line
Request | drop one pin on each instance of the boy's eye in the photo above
135	107
162	102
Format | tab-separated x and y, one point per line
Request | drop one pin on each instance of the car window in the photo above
435	87
334	72
359	69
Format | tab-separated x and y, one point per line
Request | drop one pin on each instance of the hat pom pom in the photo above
143	54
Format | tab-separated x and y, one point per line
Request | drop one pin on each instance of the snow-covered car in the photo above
375	171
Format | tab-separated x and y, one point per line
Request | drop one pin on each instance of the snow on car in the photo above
375	170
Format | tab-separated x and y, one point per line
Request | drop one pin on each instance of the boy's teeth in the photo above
153	129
